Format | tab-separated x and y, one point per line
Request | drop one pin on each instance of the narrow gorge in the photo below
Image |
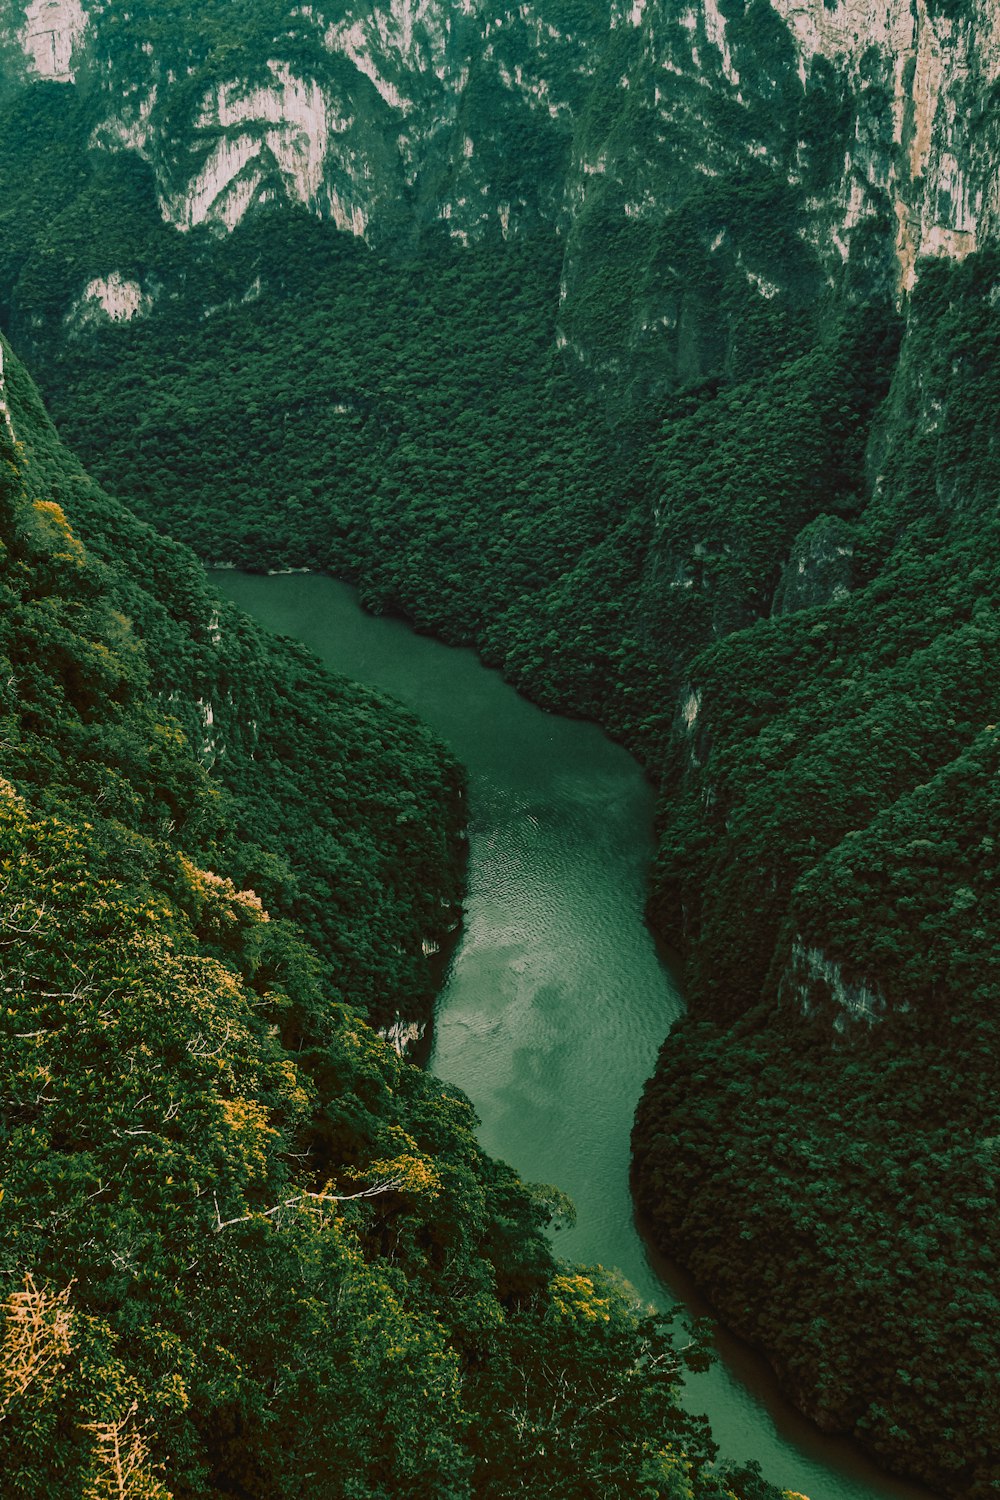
651	351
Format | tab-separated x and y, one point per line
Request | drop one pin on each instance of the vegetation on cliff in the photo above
823	833
775	580
246	1248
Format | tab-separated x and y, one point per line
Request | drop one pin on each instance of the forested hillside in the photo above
666	409
335	807
782	596
247	1249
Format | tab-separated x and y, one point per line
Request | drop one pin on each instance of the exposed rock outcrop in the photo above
819	568
697	162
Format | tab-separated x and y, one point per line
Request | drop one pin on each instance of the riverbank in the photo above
556	1001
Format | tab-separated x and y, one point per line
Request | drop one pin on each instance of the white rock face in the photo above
939	68
343	149
353	141
690	708
4	408
414	33
914	164
128	131
715	28
350	40
383	33
289	124
767	289
846	30
208	747
402	1035
111	297
856	999
52	32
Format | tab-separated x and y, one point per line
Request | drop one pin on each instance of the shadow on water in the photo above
555	994
748	1364
753	1370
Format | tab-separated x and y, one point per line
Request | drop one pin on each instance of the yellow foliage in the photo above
415	1174
55	521
220	899
252	1135
37	1338
295	1095
576	1299
672	1473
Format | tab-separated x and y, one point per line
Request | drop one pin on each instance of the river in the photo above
556	1000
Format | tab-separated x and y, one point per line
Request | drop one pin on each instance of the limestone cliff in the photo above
867	132
359	289
922	74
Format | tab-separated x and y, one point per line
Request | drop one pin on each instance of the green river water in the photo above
556	999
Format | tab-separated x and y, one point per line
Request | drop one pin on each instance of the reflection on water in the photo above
556	1000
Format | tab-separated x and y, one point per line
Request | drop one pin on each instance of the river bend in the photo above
556	1000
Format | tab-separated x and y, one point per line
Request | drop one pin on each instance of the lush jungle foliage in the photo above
777	583
652	577
832	836
334	806
247	1250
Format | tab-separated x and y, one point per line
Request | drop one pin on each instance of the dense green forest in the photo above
322	800
669	474
774	594
247	1249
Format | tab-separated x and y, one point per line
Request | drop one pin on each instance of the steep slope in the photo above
246	1247
706	165
831	840
339	811
654	352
